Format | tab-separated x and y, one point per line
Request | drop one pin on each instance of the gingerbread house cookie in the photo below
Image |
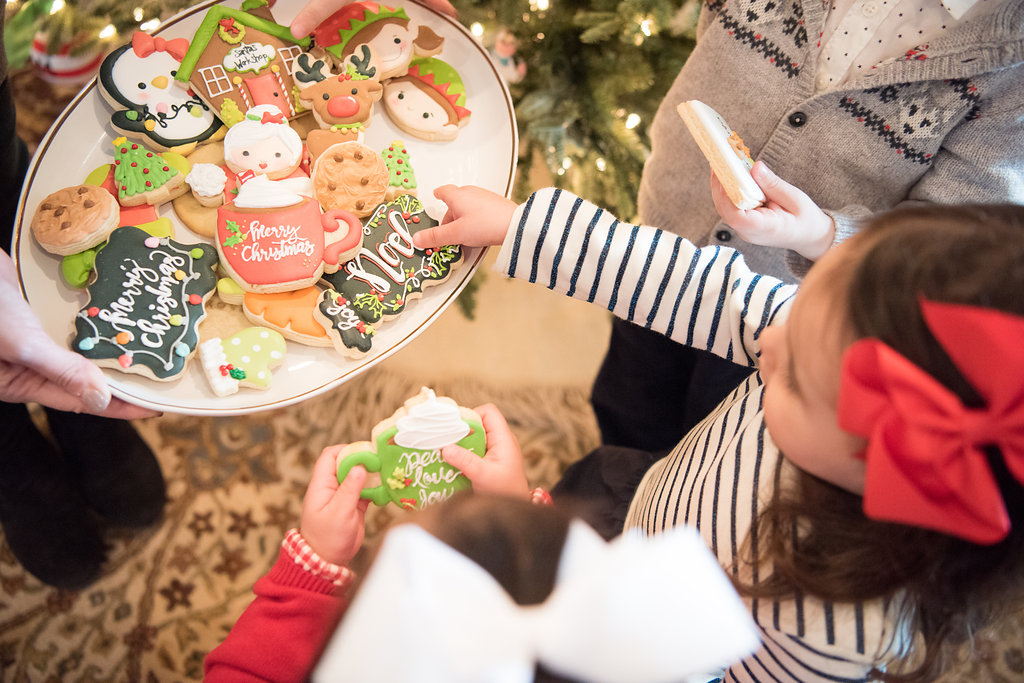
238	60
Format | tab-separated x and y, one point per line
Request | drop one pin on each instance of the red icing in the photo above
93	311
195	299
125	360
266	90
130	215
276	246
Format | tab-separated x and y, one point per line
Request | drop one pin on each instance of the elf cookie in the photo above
725	151
406	451
290	313
74	219
146	304
137	79
342	105
238	60
244	359
142	176
389	271
351	177
401	178
390	38
429	102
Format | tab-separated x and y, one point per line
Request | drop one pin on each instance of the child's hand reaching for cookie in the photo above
475	218
332	513
500	471
788	219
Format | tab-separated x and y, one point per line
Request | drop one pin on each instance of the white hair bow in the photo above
636	610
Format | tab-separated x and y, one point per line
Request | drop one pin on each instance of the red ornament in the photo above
195	299
93	311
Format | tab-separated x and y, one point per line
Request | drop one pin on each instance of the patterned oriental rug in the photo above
235	486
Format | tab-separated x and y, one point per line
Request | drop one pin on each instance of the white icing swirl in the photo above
431	424
260	192
206	180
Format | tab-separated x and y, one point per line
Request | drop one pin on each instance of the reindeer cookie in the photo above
390	38
342	104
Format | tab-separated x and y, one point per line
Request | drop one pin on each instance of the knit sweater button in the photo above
723	235
797	119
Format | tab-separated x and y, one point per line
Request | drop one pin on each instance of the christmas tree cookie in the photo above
144	177
401	178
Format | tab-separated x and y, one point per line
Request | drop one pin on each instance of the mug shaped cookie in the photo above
283	249
406	451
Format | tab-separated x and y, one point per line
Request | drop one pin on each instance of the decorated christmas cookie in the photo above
392	40
406	451
290	313
351	177
74	219
238	60
279	247
429	102
146	304
341	104
389	271
243	359
401	178
349	334
137	79
144	177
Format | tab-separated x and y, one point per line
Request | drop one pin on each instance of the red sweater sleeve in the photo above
283	629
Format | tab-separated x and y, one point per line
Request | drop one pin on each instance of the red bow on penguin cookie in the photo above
144	45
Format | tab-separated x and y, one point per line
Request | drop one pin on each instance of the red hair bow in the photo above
925	465
144	45
272	118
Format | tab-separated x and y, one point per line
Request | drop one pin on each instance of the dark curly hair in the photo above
945	588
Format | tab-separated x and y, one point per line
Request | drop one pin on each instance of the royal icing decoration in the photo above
406	451
142	176
429	102
239	60
146	303
206	180
401	177
137	79
243	359
379	280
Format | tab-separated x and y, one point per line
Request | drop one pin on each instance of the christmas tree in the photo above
138	170
595	72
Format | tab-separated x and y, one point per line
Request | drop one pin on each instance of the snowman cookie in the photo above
244	359
137	80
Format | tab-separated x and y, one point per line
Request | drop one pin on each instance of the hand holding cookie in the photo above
500	471
475	218
788	219
332	512
34	368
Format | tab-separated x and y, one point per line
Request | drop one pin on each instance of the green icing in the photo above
443	73
396	158
149	171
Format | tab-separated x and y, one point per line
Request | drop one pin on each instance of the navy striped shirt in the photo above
720	474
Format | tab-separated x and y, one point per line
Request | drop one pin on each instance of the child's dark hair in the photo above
949	587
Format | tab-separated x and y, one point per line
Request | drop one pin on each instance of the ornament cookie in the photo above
351	177
429	102
137	79
74	219
406	451
391	39
401	177
146	304
238	60
725	151
244	359
144	177
389	271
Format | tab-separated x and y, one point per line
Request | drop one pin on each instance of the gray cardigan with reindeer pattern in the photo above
943	123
